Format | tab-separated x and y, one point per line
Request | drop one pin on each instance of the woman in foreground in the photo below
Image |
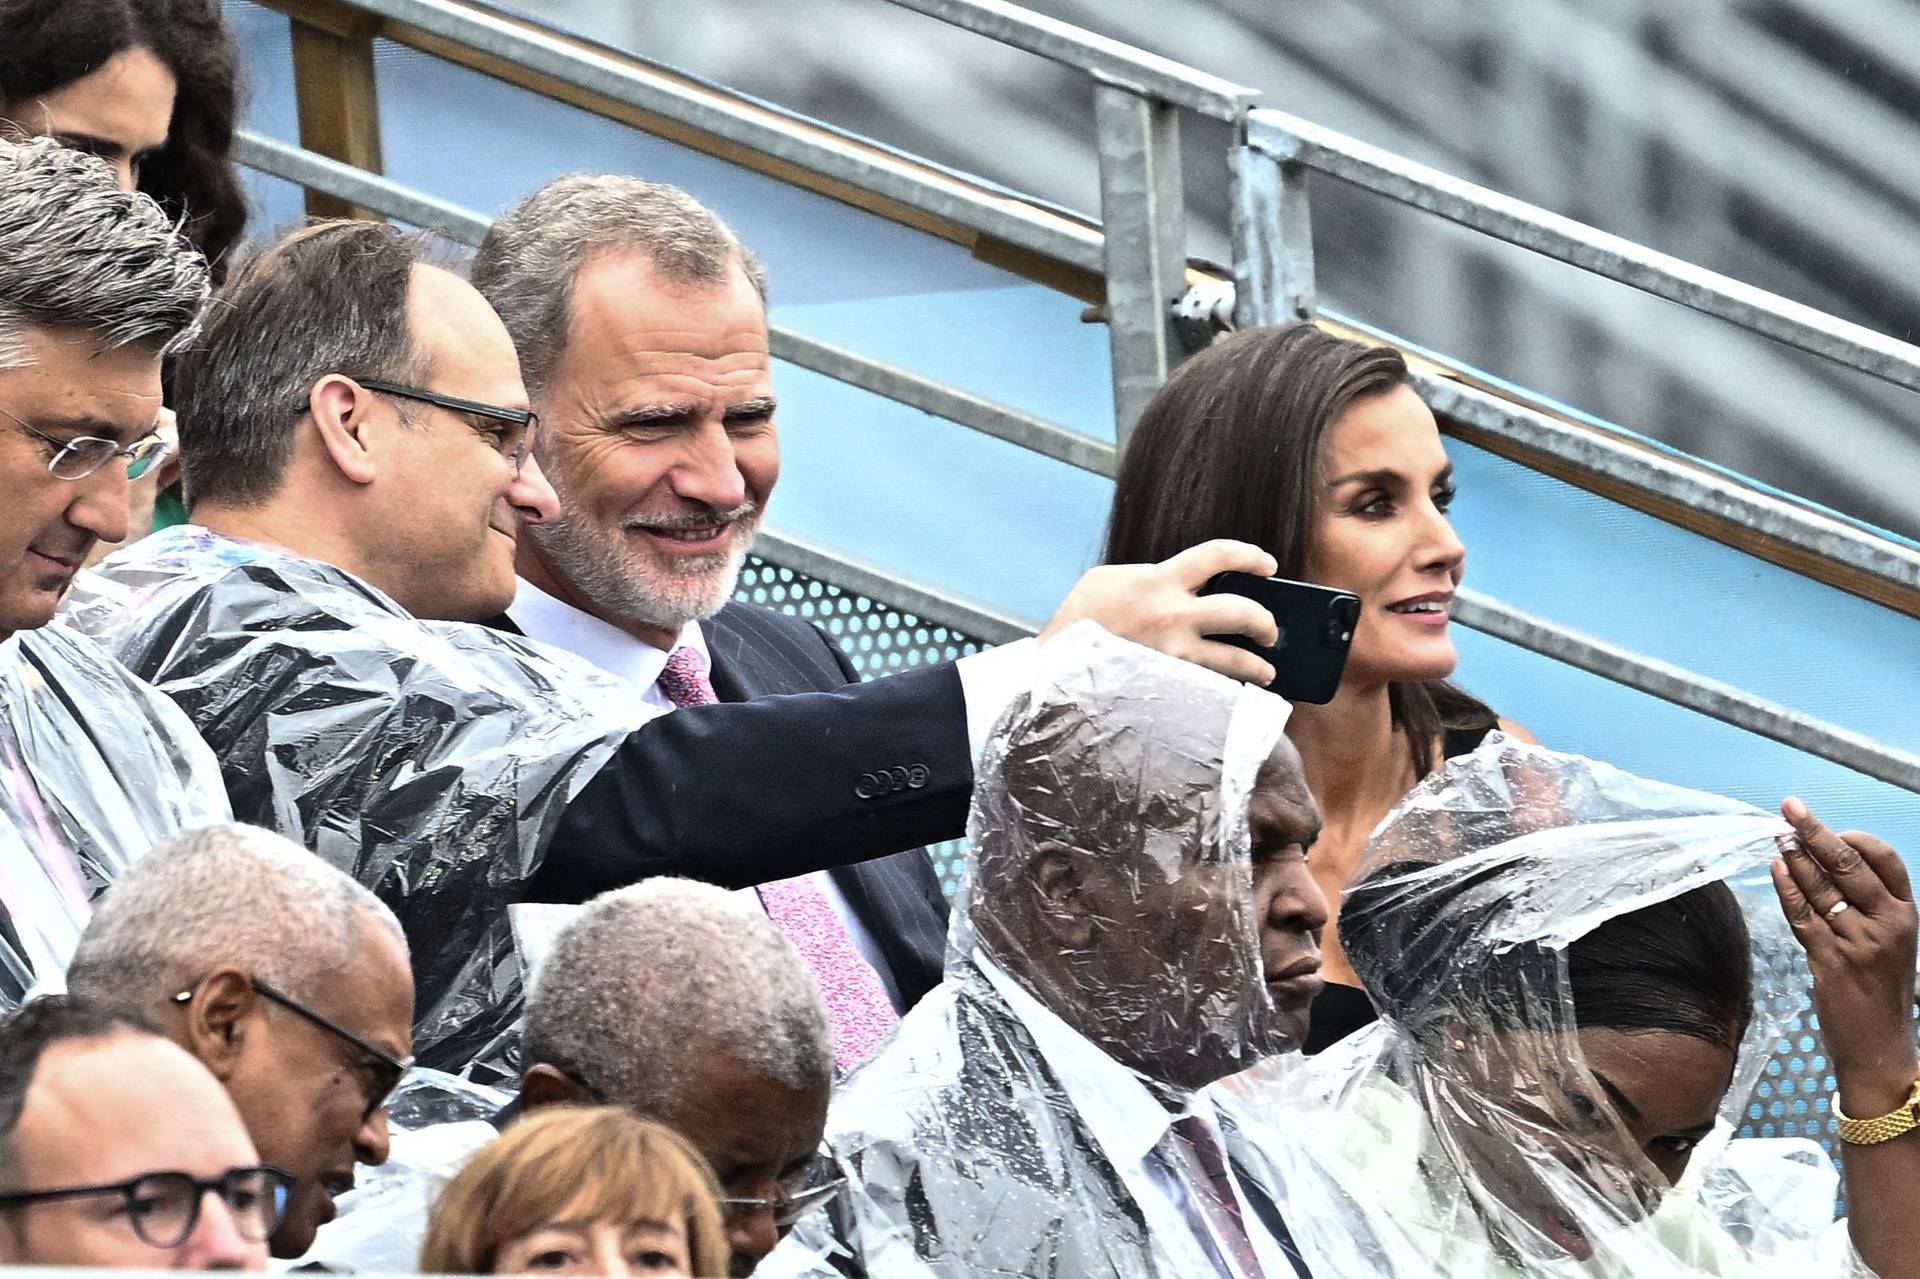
579	1191
1584	985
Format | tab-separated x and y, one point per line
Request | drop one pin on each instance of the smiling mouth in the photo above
1423	606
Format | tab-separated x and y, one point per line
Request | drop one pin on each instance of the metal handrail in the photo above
1111	61
1287	139
617	79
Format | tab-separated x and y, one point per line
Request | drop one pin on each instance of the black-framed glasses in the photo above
796	1193
513	444
164	1207
80	457
385	1069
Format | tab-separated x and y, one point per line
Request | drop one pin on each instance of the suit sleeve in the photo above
741	793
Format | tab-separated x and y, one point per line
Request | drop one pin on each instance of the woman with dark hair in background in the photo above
147	85
1319	450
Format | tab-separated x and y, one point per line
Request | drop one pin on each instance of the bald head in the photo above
228	895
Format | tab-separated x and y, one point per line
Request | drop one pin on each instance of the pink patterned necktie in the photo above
858	1008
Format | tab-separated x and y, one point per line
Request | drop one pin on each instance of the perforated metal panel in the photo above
878	638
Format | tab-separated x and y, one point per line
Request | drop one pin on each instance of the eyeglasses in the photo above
384	1069
164	1207
513	444
797	1193
78	458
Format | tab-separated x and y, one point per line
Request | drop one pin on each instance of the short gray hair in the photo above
329	298
649	975
218	895
77	252
535	251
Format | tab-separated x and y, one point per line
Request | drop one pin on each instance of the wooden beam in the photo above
333	77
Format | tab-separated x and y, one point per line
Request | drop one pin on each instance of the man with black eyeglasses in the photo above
95	285
284	978
120	1151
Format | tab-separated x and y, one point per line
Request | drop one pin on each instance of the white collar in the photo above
553	621
1126	1120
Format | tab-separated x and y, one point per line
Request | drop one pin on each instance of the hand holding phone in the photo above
1316	631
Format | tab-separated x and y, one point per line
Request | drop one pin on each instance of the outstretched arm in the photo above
1851	906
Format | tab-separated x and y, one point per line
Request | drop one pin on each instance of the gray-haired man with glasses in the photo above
119	1151
677	1000
95	284
284	978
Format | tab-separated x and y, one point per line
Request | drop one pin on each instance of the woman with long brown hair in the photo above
1319	450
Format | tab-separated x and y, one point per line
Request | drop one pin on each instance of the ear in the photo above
222	1013
339	407
1064	880
545	1085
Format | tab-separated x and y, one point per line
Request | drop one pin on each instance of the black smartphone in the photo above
1316	630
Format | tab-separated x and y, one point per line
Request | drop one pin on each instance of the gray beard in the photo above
620	587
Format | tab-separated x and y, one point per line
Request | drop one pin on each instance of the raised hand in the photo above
1850	904
1155	605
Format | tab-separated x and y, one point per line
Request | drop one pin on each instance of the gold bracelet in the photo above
1871	1132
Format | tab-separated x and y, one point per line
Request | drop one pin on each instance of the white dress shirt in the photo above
1127	1122
988	682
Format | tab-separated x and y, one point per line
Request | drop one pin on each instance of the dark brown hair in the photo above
1231	447
50	43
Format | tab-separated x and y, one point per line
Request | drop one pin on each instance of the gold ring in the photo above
1836	910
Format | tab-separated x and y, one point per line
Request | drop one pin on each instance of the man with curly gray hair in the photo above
678	1000
96	284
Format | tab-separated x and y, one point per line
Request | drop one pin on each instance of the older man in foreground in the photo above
675	999
1138	922
285	978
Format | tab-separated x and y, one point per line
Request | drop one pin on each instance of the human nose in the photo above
1295	900
216	1242
751	1231
709	470
101	500
532	497
373	1143
610	1259
1442	546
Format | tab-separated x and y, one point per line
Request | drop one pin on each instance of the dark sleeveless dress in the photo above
1338	1011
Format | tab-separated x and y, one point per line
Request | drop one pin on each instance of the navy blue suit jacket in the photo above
799	768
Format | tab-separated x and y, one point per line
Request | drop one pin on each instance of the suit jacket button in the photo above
917	776
867	787
898	776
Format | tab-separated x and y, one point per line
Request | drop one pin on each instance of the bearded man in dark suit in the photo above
641	327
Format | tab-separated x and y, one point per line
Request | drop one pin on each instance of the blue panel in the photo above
267	107
1593	565
839	273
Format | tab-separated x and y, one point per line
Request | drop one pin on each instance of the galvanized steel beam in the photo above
818	151
1143	210
1113	61
1290	139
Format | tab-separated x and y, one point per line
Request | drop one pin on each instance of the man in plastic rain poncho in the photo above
1585	983
95	283
1136	922
357	458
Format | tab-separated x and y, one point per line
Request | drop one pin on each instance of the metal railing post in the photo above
1271	227
1143	212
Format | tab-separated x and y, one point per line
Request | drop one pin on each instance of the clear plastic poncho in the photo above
430	760
95	768
966	1142
1464	1134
